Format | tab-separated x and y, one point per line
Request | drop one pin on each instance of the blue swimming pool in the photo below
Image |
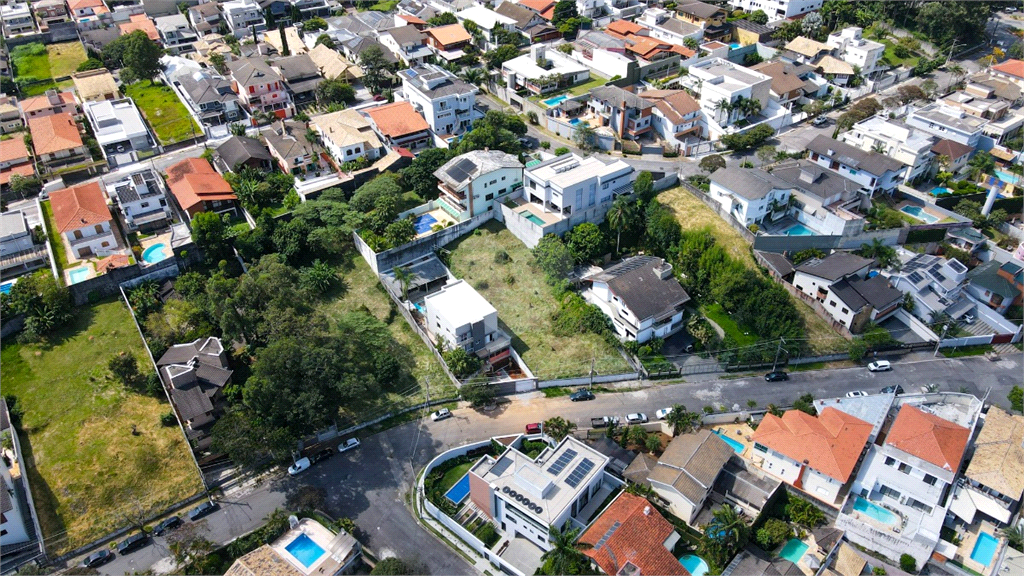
80	274
5	288
794	550
872	510
552	102
420	308
734	45
458	492
695	565
155	253
1008	177
305	550
939	191
574	121
984	548
423	223
737	447
920	214
799	230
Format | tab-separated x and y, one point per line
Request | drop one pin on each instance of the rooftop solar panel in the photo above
563	461
579	473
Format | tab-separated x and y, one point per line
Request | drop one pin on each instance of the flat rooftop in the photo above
459	303
568	170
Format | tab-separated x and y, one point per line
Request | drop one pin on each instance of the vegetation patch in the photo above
65	57
164	111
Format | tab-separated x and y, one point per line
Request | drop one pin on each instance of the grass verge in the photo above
967	351
163	110
65	58
87	471
55	241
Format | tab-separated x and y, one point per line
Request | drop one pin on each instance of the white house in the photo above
17	19
140	198
12	518
570	183
822	200
120	130
873	171
486	19
676	115
934	283
175	33
18	250
994	480
947	122
83	219
447	103
686	472
854	301
347	135
777	9
851	46
473	182
663	26
407	44
815	276
641	296
895	139
557	70
720	85
750	195
459	317
242	16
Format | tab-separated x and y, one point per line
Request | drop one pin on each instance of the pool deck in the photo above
318	534
970	538
442	217
538	211
164	239
739	432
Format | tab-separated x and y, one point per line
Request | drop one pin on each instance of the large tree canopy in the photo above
497	130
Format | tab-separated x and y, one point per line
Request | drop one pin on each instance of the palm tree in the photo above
474	76
728	527
620	216
885	255
682	420
558	428
724	105
404	277
563	557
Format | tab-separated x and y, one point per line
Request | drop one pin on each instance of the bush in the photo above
545	145
749	139
576	316
460	362
391	567
501	257
907	563
772	534
169	420
561	151
804	513
486	534
1016	398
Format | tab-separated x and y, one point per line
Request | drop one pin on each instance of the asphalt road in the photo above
371	484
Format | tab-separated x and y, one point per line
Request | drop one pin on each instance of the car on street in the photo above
348	445
897	390
533	428
97	559
527	144
581	395
819	121
202	510
322	455
663	413
856	394
168	524
300	466
132	543
776	376
604	421
879	366
636	418
441	414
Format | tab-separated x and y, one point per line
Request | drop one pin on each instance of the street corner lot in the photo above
525	306
163	110
88	471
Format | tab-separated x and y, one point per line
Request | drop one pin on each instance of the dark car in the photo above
897	390
581	395
202	510
527	144
168	524
98	558
323	455
776	376
132	543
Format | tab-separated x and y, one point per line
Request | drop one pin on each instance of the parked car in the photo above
581	395
604	421
98	558
132	543
322	455
636	418
856	394
897	390
534	428
527	143
203	509
168	524
348	445
879	366
663	413
441	414
819	121
301	465
776	376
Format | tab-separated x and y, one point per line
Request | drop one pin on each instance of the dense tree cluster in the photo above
45	303
135	54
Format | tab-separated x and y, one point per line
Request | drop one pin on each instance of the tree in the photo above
443	19
251	443
46	304
811	25
325	40
460	362
1016	398
711	162
124	367
691	43
209	235
907	563
477	392
189	546
804	513
766	154
392	566
653	443
884	255
981	163
25	185
682	420
643	186
375	68
495	58
909	93
497	130
403	275
558	428
237	129
725	535
474	76
805	255
805	404
620	217
585	136
90	64
788	31
750	139
758	17
335	91
563	557
317	278
400	232
553	257
773	533
1014	537
419	175
586	242
314	24
564	10
135	54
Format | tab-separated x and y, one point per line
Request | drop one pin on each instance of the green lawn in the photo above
594	82
65	58
452	476
890	55
31	63
526	305
715	313
383	6
86	469
164	111
966	351
55	241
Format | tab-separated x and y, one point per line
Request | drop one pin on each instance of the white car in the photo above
636	418
663	413
441	414
879	366
856	394
348	445
300	465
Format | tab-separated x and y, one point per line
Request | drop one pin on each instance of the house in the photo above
472	183
195	375
260	87
626	114
786	86
722	86
745	32
486	19
51	102
407	44
10	114
83	219
120	130
19	251
14	520
333	65
140	198
526	497
240	151
1011	70
545	8
710	18
211	97
14	160
543	70
292	40
448	41
966	238
137	23
641	296
778	9
855	302
530	24
806	51
993	483
197	187
676	115
996	284
354	48
288	144
205	18
851	46
935	284
95	85
56	141
243	17
301	77
815	276
943	121
348	136
896	139
661	25
50	12
399	125
822	200
835	70
16	18
568	184
686	472
447	102
340	553
951	156
176	35
459	317
995	101
816	454
750	195
873	171
85	11
631	537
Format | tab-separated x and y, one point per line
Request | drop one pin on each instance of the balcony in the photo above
444	188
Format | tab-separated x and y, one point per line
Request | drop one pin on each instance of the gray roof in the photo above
297	67
640	288
615	96
777	262
835	266
691	463
405	34
288	138
639	468
207	349
752	562
463	168
205	88
966	233
680	27
871	162
938	113
698	9
813	179
5	415
874	291
436	82
619	457
252	70
752	26
238	149
521	15
601	39
750	183
6	504
423	272
359	45
746	484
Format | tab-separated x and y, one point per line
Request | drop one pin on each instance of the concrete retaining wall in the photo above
388	259
110	283
587	380
58	32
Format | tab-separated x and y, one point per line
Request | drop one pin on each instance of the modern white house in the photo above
943	121
895	139
814	276
855	302
687	470
120	130
17	19
750	195
777	9
567	184
18	249
641	296
407	44
242	17
347	135
993	484
936	285
471	183
821	200
663	26
12	517
176	35
82	217
875	172
487	20
446	102
720	85
459	317
543	70
141	199
851	46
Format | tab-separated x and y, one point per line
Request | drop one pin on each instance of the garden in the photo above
164	111
37	65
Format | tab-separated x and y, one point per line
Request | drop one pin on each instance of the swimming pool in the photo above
794	550
1008	177
80	274
458	492
734	45
423	223
5	288
920	214
552	102
305	550
533	218
984	548
574	121
939	191
736	446
155	253
799	230
872	510
695	565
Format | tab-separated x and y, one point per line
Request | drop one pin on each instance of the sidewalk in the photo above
446	537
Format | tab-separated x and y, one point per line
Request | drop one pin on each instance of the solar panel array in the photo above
462	169
562	461
957	266
607	535
915	277
581	471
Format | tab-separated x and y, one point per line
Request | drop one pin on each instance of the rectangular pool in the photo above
574	121
794	550
984	548
552	102
5	288
459	492
423	223
799	230
872	510
533	218
1008	177
737	447
920	214
80	274
305	550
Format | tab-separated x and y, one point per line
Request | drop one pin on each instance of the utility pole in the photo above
951	48
592	359
945	327
777	351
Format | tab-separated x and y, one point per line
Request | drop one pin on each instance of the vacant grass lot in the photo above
525	306
719	316
86	468
163	110
65	58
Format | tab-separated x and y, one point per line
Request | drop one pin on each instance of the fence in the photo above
108	284
588	380
58	32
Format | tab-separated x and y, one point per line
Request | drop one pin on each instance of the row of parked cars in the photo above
136	541
303	464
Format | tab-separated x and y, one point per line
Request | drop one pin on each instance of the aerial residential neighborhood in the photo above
694	288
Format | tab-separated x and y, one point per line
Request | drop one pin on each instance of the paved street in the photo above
371	484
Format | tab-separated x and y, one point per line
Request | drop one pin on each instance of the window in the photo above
904	468
845	311
886	491
252	89
78	234
832	303
929	479
890	461
99	229
489	196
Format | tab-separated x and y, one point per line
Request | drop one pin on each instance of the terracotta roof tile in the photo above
952	150
43	102
546	8
78	207
140	22
638	539
397	119
54	133
13	149
831	443
26	170
623	28
1011	68
193	181
111	262
450	34
928	437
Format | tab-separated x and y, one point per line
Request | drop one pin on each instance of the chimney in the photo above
663	270
622	123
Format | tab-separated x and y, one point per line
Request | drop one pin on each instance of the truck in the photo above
604	421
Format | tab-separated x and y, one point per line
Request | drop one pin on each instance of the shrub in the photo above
545	145
561	151
391	567
168	419
1016	398
576	316
501	257
907	563
804	513
772	534
486	534
460	362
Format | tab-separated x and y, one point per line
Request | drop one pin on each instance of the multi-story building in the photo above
17	19
676	115
897	140
407	44
543	70
787	87
120	130
934	283
399	125
568	184
630	537
750	195
943	121
823	201
288	144
57	141
815	276
19	251
195	375
447	102
663	26
641	296
87	11
722	86
205	18
14	160
449	42
626	114
50	12
778	9
140	198
243	17
530	24
260	88
486	19
211	97
472	183
301	77
710	18
996	284
993	484
993	100
855	50
83	219
52	102
10	114
459	317
197	187
176	35
873	171
855	302
348	136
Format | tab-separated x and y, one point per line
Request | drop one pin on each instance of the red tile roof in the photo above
1011	67
831	443
140	22
78	207
411	19
54	133
546	8
26	170
43	102
639	539
193	181
929	437
623	28
952	150
397	119
13	149
111	262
